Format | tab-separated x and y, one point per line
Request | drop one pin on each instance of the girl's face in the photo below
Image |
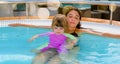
58	30
73	18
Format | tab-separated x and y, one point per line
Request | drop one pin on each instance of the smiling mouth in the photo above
72	22
58	32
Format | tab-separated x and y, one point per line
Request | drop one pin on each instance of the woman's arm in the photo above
101	33
91	31
111	35
73	41
29	25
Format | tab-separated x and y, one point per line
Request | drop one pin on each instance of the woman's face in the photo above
73	18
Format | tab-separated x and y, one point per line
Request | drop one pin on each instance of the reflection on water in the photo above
3	36
17	57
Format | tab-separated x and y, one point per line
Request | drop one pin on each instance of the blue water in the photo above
99	50
14	45
15	48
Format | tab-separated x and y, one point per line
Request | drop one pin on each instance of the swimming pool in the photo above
99	50
15	48
14	45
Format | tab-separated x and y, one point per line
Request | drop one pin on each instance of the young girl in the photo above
57	40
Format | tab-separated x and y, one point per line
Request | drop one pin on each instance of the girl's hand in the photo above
30	40
34	37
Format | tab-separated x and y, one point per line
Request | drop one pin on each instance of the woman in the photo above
73	16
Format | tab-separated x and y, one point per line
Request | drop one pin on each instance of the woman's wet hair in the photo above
67	9
60	20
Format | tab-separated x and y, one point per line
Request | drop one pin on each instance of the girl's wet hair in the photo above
59	23
67	9
60	20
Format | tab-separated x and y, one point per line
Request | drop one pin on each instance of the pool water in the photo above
15	48
14	45
99	50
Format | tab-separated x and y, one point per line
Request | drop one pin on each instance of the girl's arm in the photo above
38	35
34	37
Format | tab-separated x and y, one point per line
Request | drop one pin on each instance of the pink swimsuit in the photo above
55	41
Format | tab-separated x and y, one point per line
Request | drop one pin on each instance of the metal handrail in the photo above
68	2
117	3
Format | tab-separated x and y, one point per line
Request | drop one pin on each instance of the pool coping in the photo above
84	19
103	21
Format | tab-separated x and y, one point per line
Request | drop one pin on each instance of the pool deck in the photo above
103	21
117	23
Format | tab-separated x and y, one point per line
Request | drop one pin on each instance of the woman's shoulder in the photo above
84	30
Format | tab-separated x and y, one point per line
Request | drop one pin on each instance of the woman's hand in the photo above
69	46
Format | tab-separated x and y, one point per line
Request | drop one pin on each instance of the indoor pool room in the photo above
23	19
